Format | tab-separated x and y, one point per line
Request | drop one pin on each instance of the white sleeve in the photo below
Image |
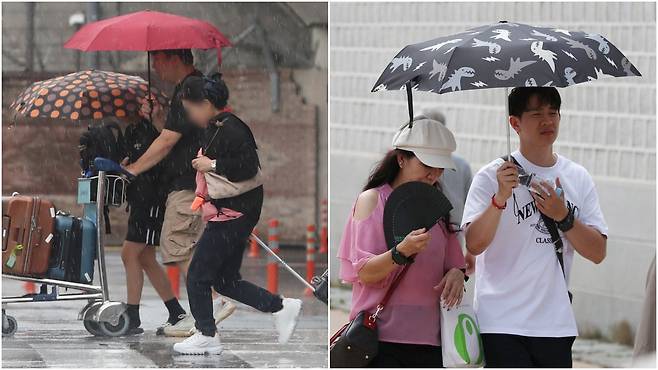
590	213
483	187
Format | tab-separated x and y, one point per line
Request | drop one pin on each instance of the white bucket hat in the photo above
431	142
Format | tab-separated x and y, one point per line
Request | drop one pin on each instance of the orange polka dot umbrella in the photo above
86	95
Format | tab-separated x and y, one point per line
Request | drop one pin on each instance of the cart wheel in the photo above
118	330
11	327
93	327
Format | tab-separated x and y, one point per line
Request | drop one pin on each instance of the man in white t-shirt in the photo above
521	294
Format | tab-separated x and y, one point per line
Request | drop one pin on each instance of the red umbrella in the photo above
148	30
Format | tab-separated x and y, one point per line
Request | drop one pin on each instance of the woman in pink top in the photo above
409	328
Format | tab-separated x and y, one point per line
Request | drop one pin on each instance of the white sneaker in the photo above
183	328
286	319
222	309
199	344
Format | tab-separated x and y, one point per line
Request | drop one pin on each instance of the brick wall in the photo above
40	157
608	126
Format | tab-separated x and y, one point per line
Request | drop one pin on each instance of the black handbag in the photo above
357	342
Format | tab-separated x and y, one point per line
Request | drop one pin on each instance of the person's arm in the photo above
586	240
451	285
158	149
481	231
378	267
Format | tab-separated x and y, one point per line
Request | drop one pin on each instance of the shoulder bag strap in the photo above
391	289
553	231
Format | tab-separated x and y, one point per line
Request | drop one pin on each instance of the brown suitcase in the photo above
27	233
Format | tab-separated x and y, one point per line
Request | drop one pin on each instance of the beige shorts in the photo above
181	228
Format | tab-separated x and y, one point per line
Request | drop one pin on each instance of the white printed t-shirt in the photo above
519	286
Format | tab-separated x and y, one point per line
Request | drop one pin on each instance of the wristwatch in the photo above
566	224
399	258
213	164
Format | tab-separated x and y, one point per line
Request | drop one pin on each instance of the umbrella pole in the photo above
410	104
509	133
148	74
282	262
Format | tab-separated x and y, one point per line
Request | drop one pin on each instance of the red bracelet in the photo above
493	202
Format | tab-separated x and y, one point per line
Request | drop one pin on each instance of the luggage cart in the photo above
101	316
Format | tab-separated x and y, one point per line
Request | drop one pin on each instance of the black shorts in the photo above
145	223
507	350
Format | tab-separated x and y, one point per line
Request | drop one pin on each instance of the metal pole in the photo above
93	11
100	233
271	67
29	37
78	54
299	277
509	134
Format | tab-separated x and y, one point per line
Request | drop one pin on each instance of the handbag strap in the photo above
389	292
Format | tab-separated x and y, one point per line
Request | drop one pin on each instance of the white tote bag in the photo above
461	344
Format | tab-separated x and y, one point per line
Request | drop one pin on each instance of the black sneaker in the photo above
135	331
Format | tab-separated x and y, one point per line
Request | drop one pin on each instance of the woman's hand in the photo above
451	288
414	242
202	164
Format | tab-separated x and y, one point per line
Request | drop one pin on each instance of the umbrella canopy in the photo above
505	55
85	95
147	31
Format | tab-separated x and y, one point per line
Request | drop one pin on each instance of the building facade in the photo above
292	137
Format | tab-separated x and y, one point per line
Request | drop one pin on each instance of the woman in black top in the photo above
230	150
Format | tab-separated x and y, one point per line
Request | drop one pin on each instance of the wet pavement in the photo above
49	334
586	352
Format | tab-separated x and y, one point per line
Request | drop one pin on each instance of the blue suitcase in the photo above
74	250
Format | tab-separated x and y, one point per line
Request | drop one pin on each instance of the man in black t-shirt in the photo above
174	149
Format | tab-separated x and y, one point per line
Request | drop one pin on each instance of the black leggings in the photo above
216	263
507	350
407	355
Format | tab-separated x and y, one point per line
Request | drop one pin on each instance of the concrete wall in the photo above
608	126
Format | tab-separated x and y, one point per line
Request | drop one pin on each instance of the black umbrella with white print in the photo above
504	55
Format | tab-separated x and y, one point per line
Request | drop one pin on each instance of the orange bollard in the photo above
173	272
272	265
29	287
310	256
324	235
254	249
